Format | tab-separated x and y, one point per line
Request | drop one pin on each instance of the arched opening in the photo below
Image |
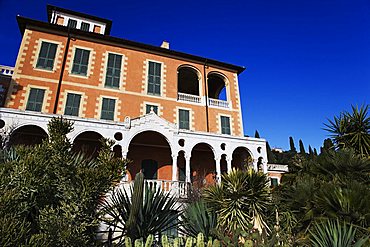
150	151
117	150
88	143
27	135
223	163
203	165
188	81
216	86
241	159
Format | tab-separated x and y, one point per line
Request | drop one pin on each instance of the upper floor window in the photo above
113	73
46	56
148	109
187	81
72	23
225	125
108	108
85	26
154	78
216	86
72	104
35	99
184	119
80	62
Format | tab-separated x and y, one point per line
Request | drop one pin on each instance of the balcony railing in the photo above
175	188
218	103
6	70
189	98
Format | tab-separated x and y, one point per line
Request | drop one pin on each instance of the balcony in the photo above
218	103
189	98
177	189
6	70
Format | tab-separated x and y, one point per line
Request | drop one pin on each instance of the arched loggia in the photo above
88	142
203	165
241	158
27	135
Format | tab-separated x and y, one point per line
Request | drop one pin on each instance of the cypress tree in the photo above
270	155
327	145
291	143
310	151
256	134
301	147
315	151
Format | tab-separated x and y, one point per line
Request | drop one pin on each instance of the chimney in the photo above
165	44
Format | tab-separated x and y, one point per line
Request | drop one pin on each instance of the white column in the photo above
187	168
264	167
218	169
124	155
255	162
228	162
174	167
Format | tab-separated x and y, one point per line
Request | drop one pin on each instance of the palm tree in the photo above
149	211
352	130
241	199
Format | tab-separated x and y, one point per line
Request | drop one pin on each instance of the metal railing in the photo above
6	70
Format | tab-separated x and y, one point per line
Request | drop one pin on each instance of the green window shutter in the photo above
35	99
113	73
46	56
80	62
85	26
154	78
184	119
107	110
149	107
72	104
72	23
274	182
225	125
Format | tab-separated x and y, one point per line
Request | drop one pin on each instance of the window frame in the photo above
87	24
70	20
221	126
88	62
179	121
40	103
79	104
160	78
120	70
37	66
102	105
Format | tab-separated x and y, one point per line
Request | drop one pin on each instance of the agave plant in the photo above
197	218
333	233
149	211
241	199
352	130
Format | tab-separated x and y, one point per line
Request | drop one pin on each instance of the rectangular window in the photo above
72	104
46	56
184	119
154	78
80	62
72	23
85	26
107	109
113	70
274	182
149	108
35	99
225	125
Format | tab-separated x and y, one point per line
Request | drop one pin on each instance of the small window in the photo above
107	109
184	119
225	125
72	23
35	99
46	56
149	108
72	104
85	26
274	182
80	62
113	74
154	78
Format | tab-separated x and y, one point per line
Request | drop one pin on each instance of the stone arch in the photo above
87	142
242	158
202	164
217	86
189	80
150	151
27	134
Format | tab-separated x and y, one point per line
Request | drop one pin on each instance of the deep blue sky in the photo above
306	60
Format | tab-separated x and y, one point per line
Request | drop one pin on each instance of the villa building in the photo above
176	116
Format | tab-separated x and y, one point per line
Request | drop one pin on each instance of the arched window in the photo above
216	86
188	80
